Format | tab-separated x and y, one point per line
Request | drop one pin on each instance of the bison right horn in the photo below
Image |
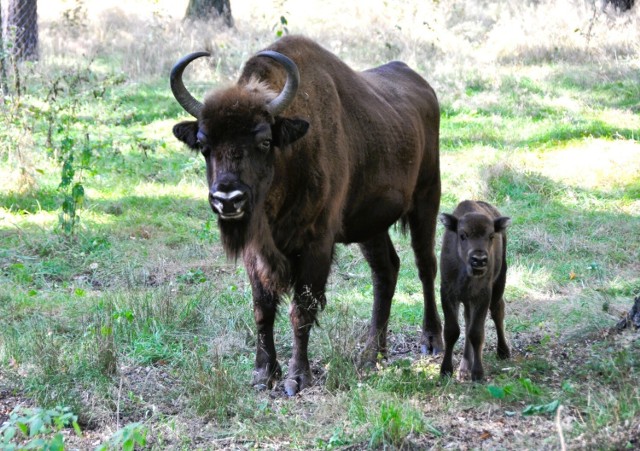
180	92
284	99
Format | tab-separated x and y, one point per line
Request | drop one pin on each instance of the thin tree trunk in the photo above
22	23
204	9
3	68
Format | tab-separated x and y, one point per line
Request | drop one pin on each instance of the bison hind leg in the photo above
385	265
422	224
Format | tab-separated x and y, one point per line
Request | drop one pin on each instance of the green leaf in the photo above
76	428
8	434
496	392
36	426
541	409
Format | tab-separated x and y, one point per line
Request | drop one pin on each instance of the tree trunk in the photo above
22	29
204	9
3	68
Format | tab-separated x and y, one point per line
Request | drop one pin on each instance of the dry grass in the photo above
446	41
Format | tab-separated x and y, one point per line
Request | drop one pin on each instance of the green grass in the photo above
139	313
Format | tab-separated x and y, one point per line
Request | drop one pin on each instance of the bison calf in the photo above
473	272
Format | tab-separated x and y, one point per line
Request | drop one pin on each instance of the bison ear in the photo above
450	222
501	223
187	132
286	131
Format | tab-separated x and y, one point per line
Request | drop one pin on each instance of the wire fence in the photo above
20	29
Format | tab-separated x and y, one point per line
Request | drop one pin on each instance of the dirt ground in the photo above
149	394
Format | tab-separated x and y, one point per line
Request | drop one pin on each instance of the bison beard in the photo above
251	238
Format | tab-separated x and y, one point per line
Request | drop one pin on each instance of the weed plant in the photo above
117	303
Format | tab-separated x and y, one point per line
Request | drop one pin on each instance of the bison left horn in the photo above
180	92
284	99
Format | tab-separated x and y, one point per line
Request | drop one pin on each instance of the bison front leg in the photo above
385	264
311	271
450	307
267	370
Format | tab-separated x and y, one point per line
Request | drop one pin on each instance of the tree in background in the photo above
203	9
3	68
22	29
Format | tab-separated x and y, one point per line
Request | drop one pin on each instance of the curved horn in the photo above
284	99
180	92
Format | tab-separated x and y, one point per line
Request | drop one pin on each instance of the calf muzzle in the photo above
478	262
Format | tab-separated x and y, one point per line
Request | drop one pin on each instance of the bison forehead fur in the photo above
303	152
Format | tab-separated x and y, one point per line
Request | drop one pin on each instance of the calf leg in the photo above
475	339
497	314
422	222
450	308
310	274
385	264
466	363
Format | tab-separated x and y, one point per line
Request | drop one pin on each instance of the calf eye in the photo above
492	236
265	145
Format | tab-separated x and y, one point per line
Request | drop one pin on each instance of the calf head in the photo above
475	239
238	132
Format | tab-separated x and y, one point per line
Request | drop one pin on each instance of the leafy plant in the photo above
27	428
127	438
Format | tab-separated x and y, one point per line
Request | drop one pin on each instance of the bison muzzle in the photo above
302	153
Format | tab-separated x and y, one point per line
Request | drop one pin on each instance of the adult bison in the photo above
302	153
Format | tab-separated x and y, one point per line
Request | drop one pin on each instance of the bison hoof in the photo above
431	344
291	387
294	385
370	358
264	378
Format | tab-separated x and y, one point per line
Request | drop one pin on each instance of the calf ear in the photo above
500	224
450	222
286	131
187	132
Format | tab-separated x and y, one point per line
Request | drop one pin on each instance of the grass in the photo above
139	325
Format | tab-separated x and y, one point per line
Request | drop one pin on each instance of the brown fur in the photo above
369	158
473	270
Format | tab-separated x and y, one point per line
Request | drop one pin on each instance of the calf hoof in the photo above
504	353
446	372
477	376
431	344
265	378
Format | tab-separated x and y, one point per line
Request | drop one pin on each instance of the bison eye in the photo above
492	236
201	139
463	236
265	145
